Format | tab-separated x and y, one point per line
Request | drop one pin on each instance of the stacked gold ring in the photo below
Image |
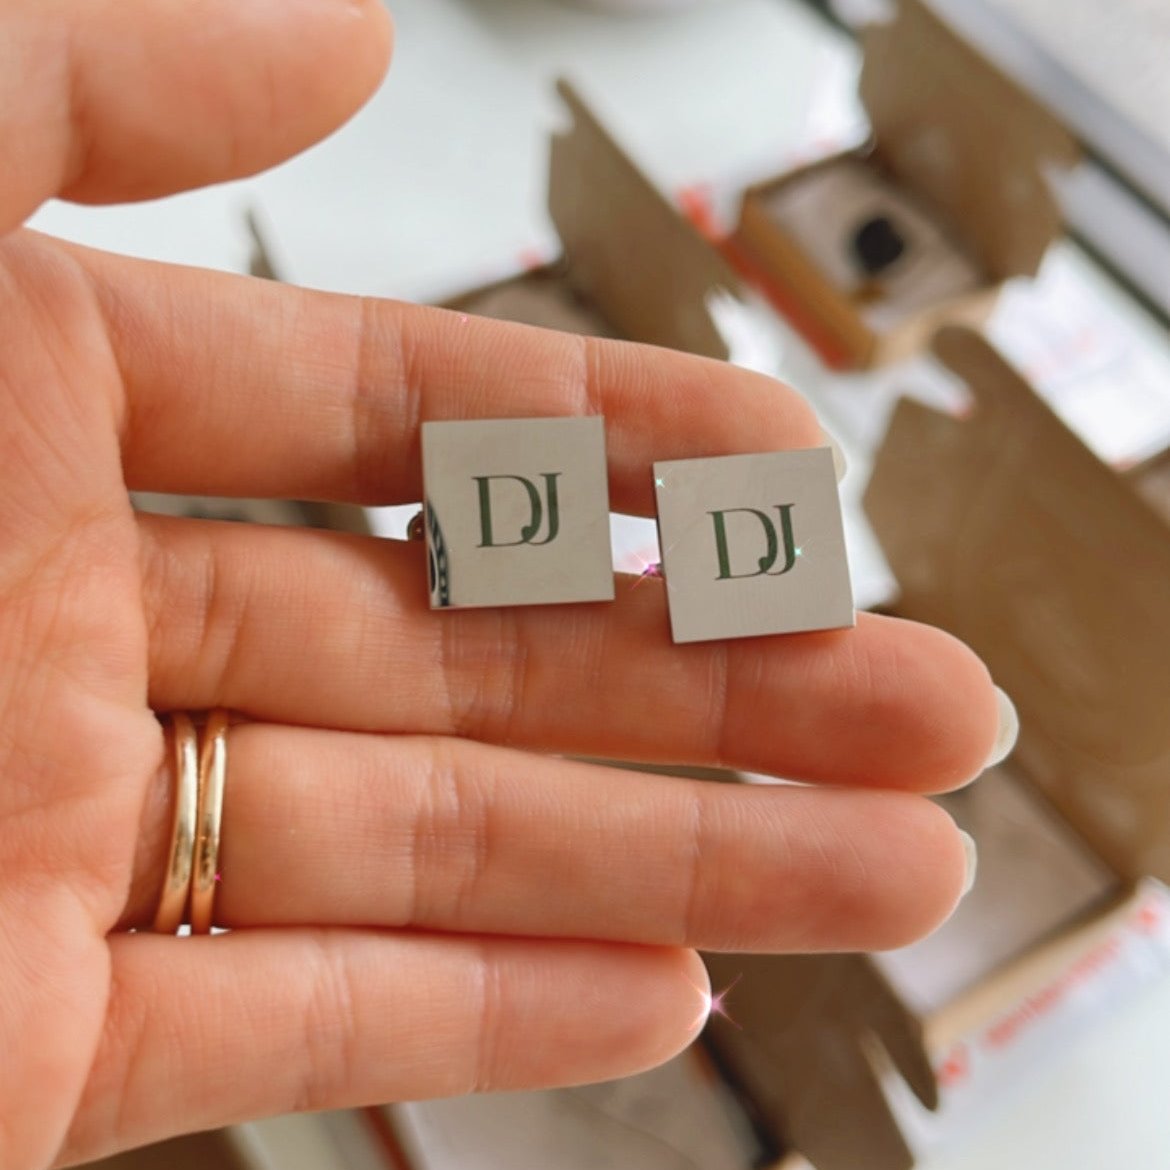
181	858
192	863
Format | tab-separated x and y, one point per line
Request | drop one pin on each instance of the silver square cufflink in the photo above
516	512
753	544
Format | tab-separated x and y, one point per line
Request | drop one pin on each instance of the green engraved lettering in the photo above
536	510
772	538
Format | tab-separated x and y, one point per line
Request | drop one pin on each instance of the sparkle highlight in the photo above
649	569
718	1007
714	1005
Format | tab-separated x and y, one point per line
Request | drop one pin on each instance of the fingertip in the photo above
679	1012
784	403
166	98
974	715
985	728
956	862
970	861
620	1009
379	33
1007	729
936	874
943	709
698	978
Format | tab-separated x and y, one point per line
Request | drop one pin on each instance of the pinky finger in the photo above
204	1032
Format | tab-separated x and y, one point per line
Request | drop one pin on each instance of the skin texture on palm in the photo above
422	908
102	102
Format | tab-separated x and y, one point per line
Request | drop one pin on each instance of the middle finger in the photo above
331	630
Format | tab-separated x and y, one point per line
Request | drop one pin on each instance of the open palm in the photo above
426	899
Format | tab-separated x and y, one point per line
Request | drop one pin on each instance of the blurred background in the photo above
814	188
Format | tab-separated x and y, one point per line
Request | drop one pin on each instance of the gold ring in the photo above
173	901
212	776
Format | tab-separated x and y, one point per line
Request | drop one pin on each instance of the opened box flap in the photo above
647	269
963	136
1005	529
817	1018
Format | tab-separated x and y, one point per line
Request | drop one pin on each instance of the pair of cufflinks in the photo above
517	513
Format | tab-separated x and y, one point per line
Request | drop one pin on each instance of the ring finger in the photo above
440	834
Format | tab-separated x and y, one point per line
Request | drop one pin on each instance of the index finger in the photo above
241	387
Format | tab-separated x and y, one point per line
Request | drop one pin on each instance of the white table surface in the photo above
439	185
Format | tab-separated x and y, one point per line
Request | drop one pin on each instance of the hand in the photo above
425	902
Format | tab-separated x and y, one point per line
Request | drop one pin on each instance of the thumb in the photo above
110	100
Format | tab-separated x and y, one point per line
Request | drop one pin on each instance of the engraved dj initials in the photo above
753	545
773	540
524	505
536	504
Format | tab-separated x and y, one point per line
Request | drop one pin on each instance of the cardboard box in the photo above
213	1150
961	145
1005	529
1151	478
632	267
679	1113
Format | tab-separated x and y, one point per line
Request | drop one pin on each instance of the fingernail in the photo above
839	461
708	1004
1009	729
971	854
1006	733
